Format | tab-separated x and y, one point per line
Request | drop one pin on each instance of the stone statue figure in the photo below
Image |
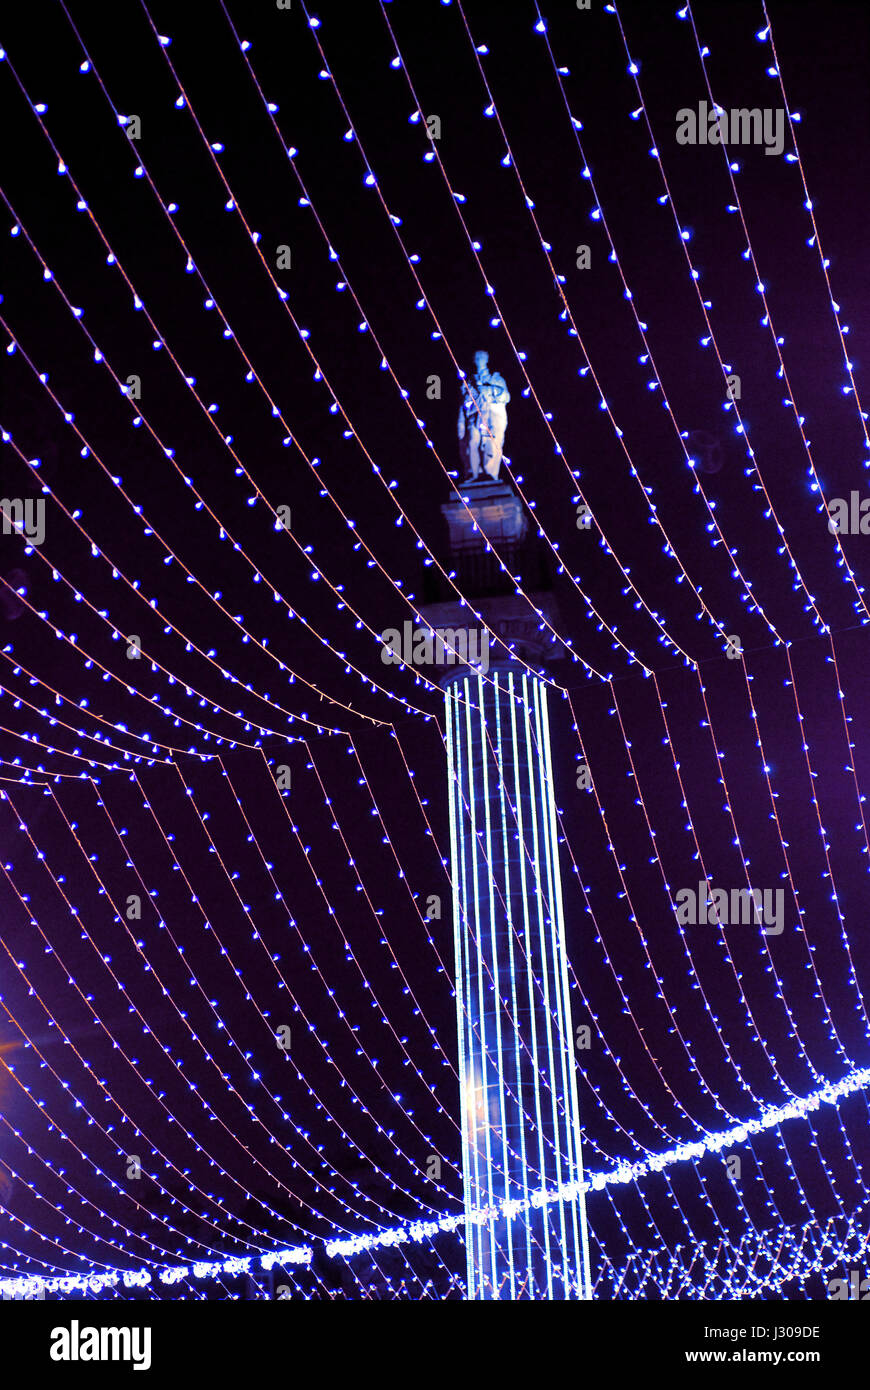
482	419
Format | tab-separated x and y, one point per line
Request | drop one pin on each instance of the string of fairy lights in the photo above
396	1237
216	1139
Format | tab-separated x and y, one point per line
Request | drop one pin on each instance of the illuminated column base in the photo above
520	1117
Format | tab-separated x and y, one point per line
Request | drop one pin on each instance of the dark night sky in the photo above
350	743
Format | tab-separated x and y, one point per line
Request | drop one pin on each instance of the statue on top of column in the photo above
482	419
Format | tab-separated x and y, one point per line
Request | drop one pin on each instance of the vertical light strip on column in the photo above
556	1011
543	962
560	959
460	946
486	1194
497	935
